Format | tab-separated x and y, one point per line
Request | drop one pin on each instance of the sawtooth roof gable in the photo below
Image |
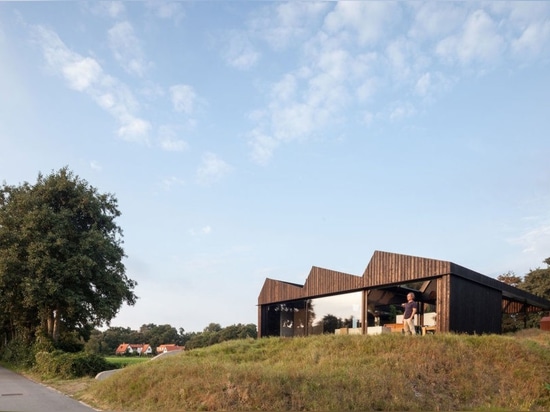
387	268
325	281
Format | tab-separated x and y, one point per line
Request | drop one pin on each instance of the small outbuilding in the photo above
451	298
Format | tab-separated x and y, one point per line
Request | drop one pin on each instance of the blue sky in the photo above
254	139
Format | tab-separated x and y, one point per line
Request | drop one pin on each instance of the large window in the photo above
313	316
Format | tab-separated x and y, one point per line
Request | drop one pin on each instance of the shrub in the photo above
63	365
17	353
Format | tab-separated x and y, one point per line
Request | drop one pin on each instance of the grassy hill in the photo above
322	373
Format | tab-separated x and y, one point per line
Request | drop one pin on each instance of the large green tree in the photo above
537	281
61	268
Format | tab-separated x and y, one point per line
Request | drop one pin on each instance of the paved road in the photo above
20	394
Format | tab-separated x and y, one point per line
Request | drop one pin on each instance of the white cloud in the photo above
366	90
167	9
402	110
263	146
287	22
206	230
369	20
173	145
134	128
96	165
127	49
423	84
106	100
240	52
533	40
479	41
400	53
169	141
212	169
367	53
431	84
169	183
82	73
435	20
86	75
183	98
112	9
534	243
285	89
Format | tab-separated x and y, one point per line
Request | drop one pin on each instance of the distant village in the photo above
131	349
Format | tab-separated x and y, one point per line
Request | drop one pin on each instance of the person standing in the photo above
408	317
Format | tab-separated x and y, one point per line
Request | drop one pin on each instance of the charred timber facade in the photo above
462	300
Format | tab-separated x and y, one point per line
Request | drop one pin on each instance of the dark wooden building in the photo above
451	298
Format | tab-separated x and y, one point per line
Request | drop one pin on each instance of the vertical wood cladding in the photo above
509	306
474	308
442	305
324	281
389	268
319	282
278	291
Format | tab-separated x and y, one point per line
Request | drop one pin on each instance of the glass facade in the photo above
313	316
331	314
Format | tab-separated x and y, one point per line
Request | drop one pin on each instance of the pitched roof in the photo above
169	347
386	269
122	348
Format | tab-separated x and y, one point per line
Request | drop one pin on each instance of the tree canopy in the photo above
61	268
537	282
106	342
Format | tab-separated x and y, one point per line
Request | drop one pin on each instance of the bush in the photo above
17	353
64	365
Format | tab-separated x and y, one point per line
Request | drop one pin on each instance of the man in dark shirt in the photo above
408	316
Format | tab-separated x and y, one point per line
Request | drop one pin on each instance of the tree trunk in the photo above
46	321
56	324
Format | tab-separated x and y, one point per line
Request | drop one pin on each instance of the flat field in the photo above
122	361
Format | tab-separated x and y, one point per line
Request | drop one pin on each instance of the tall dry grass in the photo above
325	373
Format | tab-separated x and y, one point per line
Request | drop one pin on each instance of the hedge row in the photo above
65	365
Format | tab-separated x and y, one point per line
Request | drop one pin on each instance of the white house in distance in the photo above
169	348
134	349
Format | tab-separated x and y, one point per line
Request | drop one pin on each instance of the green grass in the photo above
329	373
122	361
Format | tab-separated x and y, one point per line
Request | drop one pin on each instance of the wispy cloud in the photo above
536	239
287	22
112	9
206	230
262	146
126	48
240	52
96	166
366	22
183	98
172	10
169	183
374	57
168	139
478	40
212	169
85	74
534	40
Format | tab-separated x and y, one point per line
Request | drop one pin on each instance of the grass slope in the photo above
325	373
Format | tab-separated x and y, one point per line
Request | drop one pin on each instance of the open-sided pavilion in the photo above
461	300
